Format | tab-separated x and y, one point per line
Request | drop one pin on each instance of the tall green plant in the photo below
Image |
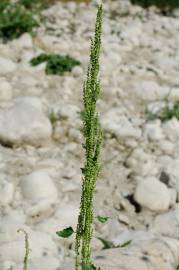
93	138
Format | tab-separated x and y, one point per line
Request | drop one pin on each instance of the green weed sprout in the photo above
93	138
27	249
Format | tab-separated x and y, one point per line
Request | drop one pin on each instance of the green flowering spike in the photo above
92	145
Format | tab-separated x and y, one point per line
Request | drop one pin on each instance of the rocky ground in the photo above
40	159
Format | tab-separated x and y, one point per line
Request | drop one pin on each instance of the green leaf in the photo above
102	219
67	232
89	267
106	244
125	244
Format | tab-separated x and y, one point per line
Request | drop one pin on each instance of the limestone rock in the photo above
153	194
24	123
6	66
38	185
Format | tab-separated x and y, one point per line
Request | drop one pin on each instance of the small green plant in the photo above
32	4
53	117
166	113
92	145
55	64
15	20
163	5
27	249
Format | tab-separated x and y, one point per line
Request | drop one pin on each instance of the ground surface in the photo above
40	164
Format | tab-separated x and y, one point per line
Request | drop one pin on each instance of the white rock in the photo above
153	130
67	215
24	42
149	90
168	223
141	255
45	263
38	185
40	210
24	123
6	192
134	236
29	100
40	244
6	66
113	122
153	194
142	163
167	147
7	265
8	229
171	168
171	129
5	90
77	71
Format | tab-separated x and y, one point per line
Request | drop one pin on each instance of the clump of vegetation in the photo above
163	5
55	64
92	145
167	113
15	20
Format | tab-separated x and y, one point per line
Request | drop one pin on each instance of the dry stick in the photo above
92	145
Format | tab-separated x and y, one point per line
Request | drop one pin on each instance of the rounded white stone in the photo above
153	130
40	244
153	194
6	192
25	123
38	185
45	263
171	129
5	90
6	66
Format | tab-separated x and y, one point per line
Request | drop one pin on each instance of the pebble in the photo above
119	125
24	123
167	224
153	194
171	129
6	66
6	193
38	185
5	90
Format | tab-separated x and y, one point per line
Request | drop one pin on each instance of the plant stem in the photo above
93	138
26	256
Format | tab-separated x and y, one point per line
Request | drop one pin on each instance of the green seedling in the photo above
166	113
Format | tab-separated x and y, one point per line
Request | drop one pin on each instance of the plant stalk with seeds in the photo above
27	249
92	145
